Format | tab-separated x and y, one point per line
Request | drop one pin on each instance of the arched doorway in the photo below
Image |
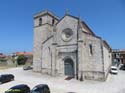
69	67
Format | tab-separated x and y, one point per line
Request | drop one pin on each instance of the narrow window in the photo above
40	21
53	21
90	49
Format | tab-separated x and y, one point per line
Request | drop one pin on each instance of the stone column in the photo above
80	57
54	70
80	50
53	49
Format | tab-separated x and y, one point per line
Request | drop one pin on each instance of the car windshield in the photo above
0	77
36	90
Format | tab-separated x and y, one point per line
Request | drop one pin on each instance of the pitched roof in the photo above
46	12
81	22
106	45
24	53
2	55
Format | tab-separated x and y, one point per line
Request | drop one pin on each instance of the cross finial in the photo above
67	12
79	16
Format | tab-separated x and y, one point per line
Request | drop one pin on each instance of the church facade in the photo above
68	47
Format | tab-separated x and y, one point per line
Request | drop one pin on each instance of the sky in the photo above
106	18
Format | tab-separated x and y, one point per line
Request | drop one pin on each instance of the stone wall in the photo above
47	56
41	33
67	22
92	63
62	53
107	60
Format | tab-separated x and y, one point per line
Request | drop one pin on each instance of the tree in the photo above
21	60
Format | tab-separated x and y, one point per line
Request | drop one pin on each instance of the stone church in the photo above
67	47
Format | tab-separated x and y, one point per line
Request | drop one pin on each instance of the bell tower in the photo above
43	29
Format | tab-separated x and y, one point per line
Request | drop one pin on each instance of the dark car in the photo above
6	78
41	88
22	88
27	68
122	67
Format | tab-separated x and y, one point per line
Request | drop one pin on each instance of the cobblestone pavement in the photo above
114	83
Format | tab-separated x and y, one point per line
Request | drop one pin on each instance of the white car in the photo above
114	70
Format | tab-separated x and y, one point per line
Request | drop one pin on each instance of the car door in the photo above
4	79
46	90
7	78
27	90
1	79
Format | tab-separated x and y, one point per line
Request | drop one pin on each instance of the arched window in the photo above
53	21
40	21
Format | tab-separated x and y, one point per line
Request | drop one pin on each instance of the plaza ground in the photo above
114	83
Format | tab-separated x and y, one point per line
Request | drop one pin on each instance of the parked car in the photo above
27	67
22	88
41	88
114	70
6	78
122	67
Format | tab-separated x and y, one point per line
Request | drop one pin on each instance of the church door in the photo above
69	67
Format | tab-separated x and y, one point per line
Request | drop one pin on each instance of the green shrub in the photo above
3	60
21	60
